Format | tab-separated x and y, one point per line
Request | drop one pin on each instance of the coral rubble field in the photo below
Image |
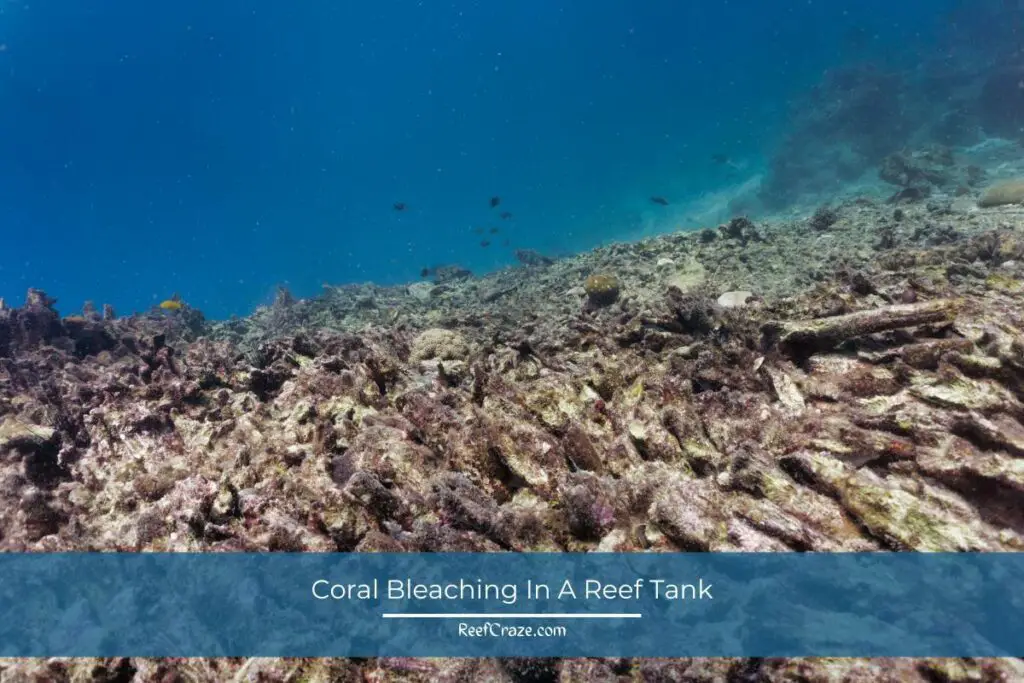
852	381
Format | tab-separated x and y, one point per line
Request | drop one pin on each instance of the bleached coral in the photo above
440	344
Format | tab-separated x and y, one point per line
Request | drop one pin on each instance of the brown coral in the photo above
1009	192
602	288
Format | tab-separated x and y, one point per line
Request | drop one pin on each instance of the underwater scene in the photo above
727	276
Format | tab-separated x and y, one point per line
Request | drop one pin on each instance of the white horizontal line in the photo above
513	615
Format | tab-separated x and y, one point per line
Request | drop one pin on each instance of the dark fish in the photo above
400	206
532	257
494	231
478	231
485	243
505	215
724	160
495	201
425	272
660	200
856	39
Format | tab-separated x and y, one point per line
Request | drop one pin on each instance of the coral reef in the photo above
928	166
926	170
843	127
773	387
866	118
1001	103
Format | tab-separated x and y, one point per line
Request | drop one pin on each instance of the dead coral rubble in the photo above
827	332
828	415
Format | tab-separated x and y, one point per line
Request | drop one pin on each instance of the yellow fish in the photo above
172	305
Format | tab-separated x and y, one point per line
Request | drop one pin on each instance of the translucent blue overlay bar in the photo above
505	604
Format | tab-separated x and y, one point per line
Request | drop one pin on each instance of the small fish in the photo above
494	231
425	272
478	231
495	201
172	304
724	160
485	243
505	243
400	206
660	200
505	215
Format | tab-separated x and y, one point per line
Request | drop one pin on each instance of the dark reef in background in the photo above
1001	103
846	125
861	115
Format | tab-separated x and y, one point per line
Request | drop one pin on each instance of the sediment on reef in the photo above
786	387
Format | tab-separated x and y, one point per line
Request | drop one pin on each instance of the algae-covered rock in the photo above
15	433
1002	194
967	394
691	513
602	288
531	455
689	275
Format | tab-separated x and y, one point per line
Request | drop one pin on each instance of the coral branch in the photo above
824	333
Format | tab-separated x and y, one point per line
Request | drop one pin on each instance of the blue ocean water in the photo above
217	149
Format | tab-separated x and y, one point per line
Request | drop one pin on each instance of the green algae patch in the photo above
343	408
1002	282
831	446
699	454
634	393
776	488
880	405
902	519
963	393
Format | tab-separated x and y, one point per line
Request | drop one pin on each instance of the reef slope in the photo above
865	395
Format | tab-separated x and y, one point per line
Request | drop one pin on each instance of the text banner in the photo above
511	604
